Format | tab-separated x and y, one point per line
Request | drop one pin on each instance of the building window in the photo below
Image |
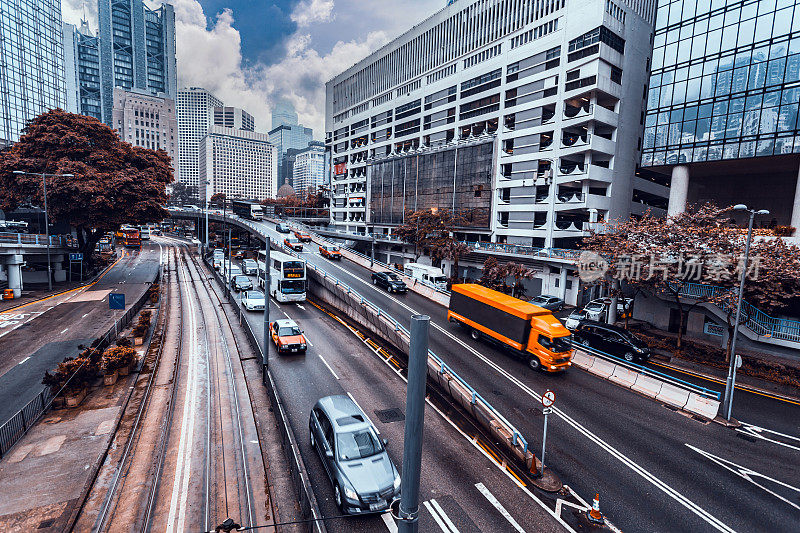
616	75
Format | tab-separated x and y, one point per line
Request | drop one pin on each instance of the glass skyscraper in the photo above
725	87
137	49
31	63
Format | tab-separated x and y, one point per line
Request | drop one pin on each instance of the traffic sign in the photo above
76	257
548	398
116	300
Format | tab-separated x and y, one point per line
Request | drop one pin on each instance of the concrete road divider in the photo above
647	385
583	360
700	405
672	395
602	368
623	376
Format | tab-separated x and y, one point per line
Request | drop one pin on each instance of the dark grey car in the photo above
553	303
363	476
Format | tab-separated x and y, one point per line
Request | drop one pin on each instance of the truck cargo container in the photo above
528	331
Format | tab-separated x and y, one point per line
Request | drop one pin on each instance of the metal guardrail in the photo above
757	320
18	425
35	239
691	387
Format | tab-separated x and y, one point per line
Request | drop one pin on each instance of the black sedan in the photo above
389	281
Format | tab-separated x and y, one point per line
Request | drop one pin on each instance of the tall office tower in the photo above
722	106
195	108
522	117
31	63
309	169
137	49
286	134
87	59
237	163
147	120
234	117
70	39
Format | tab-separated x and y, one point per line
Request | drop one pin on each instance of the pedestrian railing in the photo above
34	239
686	385
754	318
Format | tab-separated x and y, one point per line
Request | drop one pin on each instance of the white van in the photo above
427	273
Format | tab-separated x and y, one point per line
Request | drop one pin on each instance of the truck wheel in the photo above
534	363
475	334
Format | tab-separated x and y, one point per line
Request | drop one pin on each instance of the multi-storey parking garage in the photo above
525	117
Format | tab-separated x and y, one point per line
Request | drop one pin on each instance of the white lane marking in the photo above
668	490
499	506
365	413
329	366
24	360
756	432
442	520
85	315
389	521
747	474
307	340
5	333
63	331
300	306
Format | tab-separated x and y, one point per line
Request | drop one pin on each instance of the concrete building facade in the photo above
137	49
722	113
523	117
234	117
31	63
147	120
309	168
238	163
195	111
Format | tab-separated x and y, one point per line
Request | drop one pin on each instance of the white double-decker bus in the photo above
287	276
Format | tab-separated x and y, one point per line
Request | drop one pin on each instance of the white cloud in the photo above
308	12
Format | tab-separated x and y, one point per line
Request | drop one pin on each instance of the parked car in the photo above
253	301
302	235
612	340
389	281
242	283
363	476
553	303
574	319
598	309
293	243
331	251
250	267
287	336
282	228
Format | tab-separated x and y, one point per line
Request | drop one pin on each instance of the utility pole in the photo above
730	382
265	362
47	233
415	420
372	255
230	260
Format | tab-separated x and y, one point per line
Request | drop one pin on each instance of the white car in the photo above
249	267
253	301
572	321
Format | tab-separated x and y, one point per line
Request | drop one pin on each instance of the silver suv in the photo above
364	478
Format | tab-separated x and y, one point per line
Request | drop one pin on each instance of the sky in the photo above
251	53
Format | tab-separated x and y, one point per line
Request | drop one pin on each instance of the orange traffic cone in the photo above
594	513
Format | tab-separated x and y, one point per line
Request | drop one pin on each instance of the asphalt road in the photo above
338	362
36	337
655	469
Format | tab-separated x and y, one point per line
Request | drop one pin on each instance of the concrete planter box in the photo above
110	379
124	371
74	399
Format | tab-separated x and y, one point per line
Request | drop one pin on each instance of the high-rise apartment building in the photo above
722	113
237	163
522	117
137	49
31	63
147	120
287	134
195	110
234	117
308	169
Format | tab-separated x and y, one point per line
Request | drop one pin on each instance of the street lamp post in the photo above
208	182
46	222
730	382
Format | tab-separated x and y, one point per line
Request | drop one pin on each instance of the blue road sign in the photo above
76	257
116	300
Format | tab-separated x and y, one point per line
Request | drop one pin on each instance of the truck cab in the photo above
427	273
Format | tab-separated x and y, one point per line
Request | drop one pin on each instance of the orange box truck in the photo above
528	331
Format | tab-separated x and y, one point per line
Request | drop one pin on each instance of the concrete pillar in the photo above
562	284
795	223
14	265
678	190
